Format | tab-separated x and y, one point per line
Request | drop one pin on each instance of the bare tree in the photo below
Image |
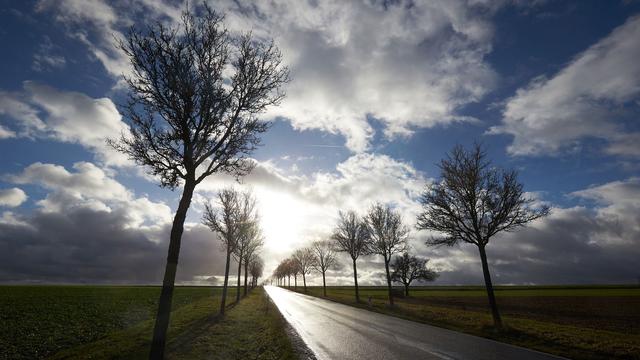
279	273
471	203
286	271
226	221
388	236
407	268
294	269
351	236
248	222
256	267
325	259
195	94
251	252
304	262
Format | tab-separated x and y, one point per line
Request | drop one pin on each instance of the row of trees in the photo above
472	202
381	232
237	223
320	256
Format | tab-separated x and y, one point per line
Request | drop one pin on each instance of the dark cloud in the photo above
89	246
570	247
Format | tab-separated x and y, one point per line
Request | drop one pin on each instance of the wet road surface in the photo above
337	331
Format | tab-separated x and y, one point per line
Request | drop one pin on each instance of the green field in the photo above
581	322
100	322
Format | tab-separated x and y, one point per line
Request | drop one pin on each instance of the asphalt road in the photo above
336	331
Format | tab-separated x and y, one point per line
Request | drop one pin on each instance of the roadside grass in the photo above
254	329
251	329
565	321
92	321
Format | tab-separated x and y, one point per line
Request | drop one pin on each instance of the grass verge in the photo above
114	322
251	329
254	329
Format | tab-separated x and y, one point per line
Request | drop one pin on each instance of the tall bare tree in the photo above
407	268
294	269
388	236
256	241
351	236
471	203
195	93
325	259
226	220
304	260
256	267
281	272
248	222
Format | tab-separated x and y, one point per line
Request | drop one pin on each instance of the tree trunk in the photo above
386	267
497	321
226	282
295	282
406	290
166	295
239	275
246	267
355	280
304	281
289	281
324	285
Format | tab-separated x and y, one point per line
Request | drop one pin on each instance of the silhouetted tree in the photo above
351	236
288	272
256	267
285	269
279	273
251	252
195	94
227	222
471	203
388	236
325	259
406	268
294	269
247	230
304	261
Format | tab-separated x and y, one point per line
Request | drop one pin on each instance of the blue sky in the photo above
379	95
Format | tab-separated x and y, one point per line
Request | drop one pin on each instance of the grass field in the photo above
115	322
581	322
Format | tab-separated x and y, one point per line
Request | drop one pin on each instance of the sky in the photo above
380	92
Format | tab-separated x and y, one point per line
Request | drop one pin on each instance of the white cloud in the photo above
12	197
94	23
584	100
15	106
43	111
615	192
619	208
47	57
408	64
6	133
97	23
90	187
